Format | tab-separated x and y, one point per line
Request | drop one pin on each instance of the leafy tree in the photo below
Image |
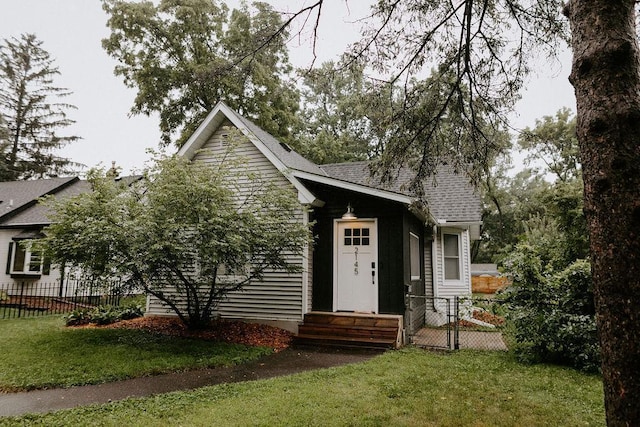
488	47
510	202
31	115
554	142
183	228
183	56
345	114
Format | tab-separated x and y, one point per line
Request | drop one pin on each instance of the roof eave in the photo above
358	188
213	122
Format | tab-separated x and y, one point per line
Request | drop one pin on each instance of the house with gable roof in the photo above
22	219
372	246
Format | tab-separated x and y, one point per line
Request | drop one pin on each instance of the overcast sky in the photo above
72	30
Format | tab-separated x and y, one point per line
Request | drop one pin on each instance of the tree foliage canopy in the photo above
459	67
185	233
551	148
31	112
554	142
185	56
345	114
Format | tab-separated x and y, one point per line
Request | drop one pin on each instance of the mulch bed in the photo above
487	317
229	331
483	316
50	304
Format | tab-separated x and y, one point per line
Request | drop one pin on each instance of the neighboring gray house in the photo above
22	219
372	245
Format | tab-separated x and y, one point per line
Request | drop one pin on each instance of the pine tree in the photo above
31	112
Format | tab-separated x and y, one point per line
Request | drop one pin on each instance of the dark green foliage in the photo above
31	112
103	315
77	317
346	114
183	57
186	233
537	229
509	203
553	310
551	151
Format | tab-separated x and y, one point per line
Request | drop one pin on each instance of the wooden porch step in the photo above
341	330
350	330
350	320
342	341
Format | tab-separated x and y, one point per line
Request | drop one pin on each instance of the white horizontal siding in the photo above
279	295
449	288
452	288
6	237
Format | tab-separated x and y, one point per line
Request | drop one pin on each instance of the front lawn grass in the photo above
43	353
410	387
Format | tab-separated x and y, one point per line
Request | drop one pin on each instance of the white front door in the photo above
356	266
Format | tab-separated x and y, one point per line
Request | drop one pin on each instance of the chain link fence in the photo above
456	323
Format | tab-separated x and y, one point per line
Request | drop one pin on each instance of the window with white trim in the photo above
414	247
23	261
451	251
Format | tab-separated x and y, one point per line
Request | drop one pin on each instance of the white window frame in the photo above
25	245
413	268
445	257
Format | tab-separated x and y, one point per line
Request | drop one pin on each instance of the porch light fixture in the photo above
349	213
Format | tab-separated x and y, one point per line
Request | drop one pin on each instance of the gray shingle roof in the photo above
451	197
25	194
18	195
38	213
290	158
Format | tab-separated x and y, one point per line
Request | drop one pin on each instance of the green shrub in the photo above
131	312
553	312
103	315
78	317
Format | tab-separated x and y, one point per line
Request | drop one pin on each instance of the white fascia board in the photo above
208	126
389	195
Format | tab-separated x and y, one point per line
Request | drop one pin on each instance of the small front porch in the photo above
351	329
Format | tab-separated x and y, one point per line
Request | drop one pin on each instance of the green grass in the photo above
42	353
403	388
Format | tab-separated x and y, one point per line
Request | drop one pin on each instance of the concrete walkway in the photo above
289	361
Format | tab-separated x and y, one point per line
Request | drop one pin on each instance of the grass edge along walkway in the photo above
406	387
45	354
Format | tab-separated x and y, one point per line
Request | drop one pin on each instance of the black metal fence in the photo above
30	299
456	323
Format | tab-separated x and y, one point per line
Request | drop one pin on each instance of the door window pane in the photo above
356	237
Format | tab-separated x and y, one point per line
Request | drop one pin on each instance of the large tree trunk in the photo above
606	78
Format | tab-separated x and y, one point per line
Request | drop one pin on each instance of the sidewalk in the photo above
289	361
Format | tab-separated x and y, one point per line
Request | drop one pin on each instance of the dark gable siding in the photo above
418	305
391	236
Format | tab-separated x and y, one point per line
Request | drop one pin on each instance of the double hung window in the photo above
451	249
23	261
